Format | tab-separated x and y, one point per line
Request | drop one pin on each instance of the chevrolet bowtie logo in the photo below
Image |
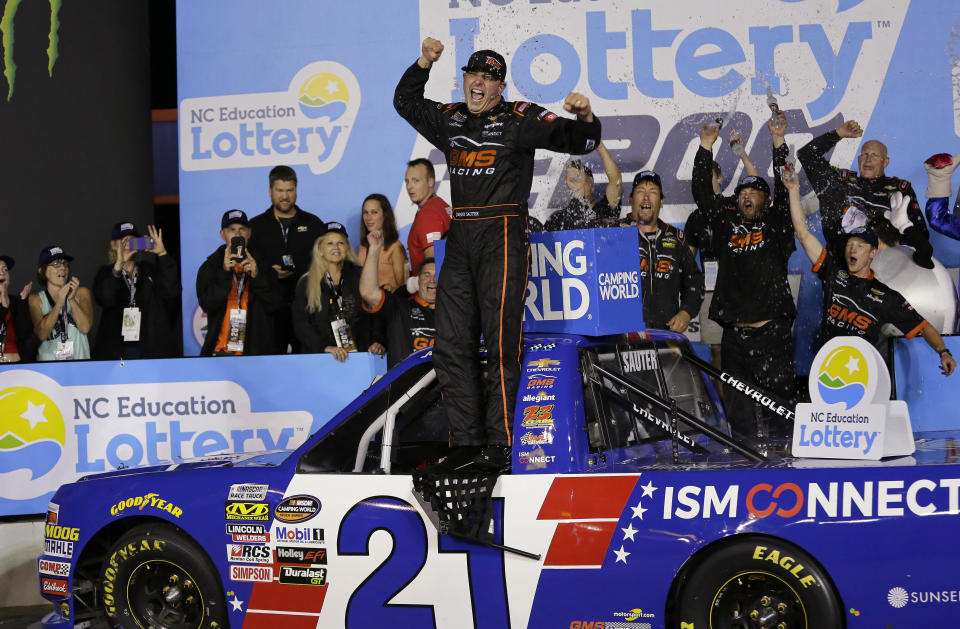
543	362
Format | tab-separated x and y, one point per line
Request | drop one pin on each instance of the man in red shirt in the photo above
433	213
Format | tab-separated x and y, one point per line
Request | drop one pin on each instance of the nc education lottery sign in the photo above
851	416
62	421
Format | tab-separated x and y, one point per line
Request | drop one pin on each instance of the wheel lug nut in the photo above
782	625
174	578
188	583
754	615
765	601
782	608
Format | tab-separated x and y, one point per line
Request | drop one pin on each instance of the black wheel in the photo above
758	583
154	576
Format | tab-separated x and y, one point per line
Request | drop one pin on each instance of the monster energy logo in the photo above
6	29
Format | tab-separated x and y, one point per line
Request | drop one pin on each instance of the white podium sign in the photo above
851	415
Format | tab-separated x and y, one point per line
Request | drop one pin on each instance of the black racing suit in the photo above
752	287
669	274
484	277
842	190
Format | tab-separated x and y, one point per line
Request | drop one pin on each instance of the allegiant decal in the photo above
872	499
309	123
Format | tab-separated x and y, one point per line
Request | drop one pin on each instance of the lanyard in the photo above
131	282
239	284
63	320
284	230
3	335
335	290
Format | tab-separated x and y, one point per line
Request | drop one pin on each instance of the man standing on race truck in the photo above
489	145
752	301
848	201
671	280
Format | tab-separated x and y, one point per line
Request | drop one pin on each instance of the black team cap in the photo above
488	61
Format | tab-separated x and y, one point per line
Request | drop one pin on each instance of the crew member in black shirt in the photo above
671	281
848	200
855	303
581	212
409	319
284	235
752	299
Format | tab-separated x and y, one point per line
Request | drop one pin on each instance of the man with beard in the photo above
284	235
855	303
409	319
489	145
849	200
671	281
752	300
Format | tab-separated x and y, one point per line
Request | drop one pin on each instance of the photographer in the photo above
237	297
139	293
62	311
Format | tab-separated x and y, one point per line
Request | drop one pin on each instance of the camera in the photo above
238	248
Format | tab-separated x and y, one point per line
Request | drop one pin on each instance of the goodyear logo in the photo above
256	511
308	123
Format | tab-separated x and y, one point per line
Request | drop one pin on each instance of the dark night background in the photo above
77	148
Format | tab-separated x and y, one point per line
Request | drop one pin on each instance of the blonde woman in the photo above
328	314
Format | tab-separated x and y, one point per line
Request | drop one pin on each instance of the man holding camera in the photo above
238	297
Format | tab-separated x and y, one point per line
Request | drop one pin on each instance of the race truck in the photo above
628	504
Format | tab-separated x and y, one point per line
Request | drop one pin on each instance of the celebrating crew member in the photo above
581	212
409	319
139	292
855	303
240	299
939	167
489	145
433	213
62	312
700	238
849	200
752	301
283	235
671	280
17	341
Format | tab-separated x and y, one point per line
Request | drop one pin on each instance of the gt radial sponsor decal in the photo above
57	587
303	555
296	509
56	568
263	574
58	548
247	553
297	534
255	511
307	123
819	500
154	501
248	492
302	576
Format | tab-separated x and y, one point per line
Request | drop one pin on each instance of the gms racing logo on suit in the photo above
468	157
308	123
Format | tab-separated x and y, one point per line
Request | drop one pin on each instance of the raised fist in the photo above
850	129
430	50
939	167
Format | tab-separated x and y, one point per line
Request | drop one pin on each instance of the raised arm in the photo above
370	291
939	169
749	167
808	241
614	178
422	114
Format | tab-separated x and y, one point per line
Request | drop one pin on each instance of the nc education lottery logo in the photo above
51	434
308	123
851	415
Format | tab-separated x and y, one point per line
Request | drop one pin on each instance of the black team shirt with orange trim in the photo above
857	306
490	155
409	321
